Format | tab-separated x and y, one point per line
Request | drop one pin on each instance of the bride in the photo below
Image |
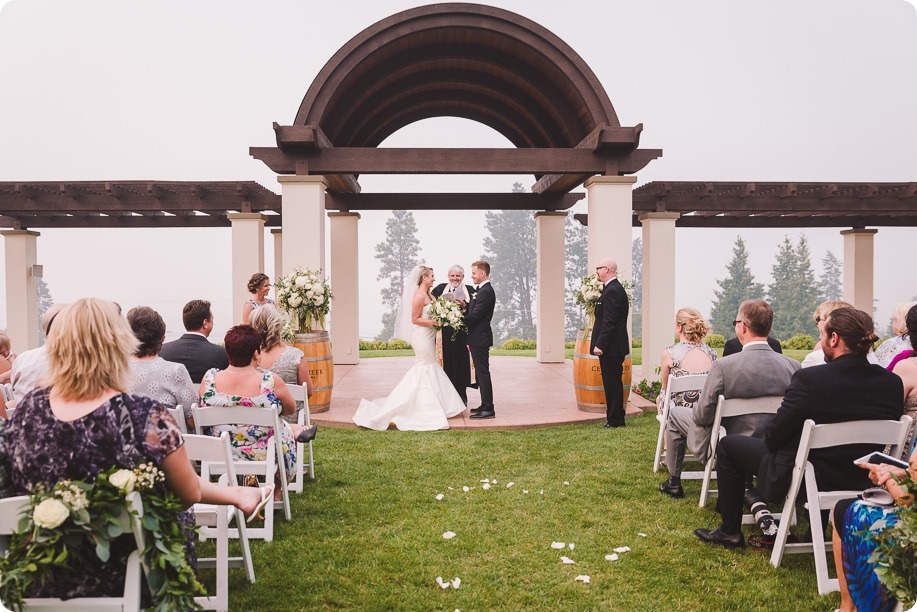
425	397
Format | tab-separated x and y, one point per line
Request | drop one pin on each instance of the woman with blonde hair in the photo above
6	357
900	341
817	356
81	421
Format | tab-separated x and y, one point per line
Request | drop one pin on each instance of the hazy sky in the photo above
741	91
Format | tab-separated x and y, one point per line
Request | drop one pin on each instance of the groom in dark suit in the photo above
609	339
193	350
455	343
481	337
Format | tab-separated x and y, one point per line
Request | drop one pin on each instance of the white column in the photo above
22	272
658	287
303	210
247	256
549	286
277	233
345	308
858	267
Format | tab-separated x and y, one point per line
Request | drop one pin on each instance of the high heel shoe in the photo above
307	434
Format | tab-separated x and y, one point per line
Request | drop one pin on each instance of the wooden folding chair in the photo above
214	520
299	394
679	384
827	435
726	408
271	469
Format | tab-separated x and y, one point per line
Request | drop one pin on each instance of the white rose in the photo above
301	281
319	300
319	289
123	480
50	514
310	294
295	301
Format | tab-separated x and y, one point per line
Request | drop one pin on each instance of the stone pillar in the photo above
858	267
549	286
22	272
658	287
610	203
303	209
277	233
345	308
247	256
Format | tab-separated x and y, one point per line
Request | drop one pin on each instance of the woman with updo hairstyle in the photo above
690	355
900	340
6	357
164	381
277	356
259	285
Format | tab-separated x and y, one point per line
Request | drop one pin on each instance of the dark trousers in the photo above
480	355
455	362
612	368
737	458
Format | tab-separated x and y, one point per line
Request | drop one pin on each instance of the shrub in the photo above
715	341
647	390
636	343
799	342
570	345
517	344
396	344
373	345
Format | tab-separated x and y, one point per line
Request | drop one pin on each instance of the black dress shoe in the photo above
610	425
483	414
672	490
307	434
476	410
716	536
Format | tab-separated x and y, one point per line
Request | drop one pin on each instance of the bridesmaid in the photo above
259	285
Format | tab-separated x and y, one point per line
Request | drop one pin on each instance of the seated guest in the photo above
259	285
817	356
6	357
164	381
755	372
899	340
83	423
31	365
853	520
734	345
847	388
688	356
193	350
277	356
906	369
243	383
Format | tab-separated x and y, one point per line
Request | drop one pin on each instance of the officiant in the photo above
456	359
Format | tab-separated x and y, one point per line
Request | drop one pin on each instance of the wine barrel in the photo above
317	349
587	375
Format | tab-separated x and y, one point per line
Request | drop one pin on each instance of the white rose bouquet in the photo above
447	313
306	296
588	296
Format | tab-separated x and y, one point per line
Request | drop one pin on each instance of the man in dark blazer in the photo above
846	388
609	339
456	363
193	350
481	337
734	346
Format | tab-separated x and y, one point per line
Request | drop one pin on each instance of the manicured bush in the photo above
517	344
570	345
715	341
396	345
799	342
373	345
636	343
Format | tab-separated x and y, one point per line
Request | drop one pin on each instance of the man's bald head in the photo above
606	269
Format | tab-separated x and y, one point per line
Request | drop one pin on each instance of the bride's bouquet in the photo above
447	313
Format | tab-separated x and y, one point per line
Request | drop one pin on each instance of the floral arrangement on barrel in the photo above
76	521
448	313
589	292
306	296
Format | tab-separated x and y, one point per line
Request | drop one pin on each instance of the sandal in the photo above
267	495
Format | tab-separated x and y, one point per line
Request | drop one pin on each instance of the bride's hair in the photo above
423	272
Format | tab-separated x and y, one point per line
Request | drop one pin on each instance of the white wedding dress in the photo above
424	398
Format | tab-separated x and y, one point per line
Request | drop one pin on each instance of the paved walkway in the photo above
526	393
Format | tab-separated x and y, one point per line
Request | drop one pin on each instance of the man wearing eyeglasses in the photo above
610	342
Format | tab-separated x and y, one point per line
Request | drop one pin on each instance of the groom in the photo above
480	337
455	343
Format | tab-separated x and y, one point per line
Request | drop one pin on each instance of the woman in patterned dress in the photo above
243	383
259	285
83	422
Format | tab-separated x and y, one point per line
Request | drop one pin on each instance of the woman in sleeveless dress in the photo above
425	397
259	285
907	370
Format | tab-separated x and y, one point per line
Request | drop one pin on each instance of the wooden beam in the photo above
452	201
628	163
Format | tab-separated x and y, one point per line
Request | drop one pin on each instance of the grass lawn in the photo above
367	533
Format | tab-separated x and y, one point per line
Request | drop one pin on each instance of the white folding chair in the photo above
12	508
270	470
299	394
6	391
214	520
693	382
178	413
827	435
726	408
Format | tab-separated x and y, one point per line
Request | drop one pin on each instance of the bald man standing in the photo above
609	339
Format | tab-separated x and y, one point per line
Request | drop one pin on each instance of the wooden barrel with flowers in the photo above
316	347
587	375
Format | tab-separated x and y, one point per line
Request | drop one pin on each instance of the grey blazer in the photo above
754	372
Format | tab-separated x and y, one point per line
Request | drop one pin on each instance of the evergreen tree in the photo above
794	295
738	286
45	301
397	254
576	266
831	280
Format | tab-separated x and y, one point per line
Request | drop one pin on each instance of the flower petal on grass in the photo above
465	489
494	481
442	585
456	582
525	491
485	480
567	561
622	549
440	497
448	535
558	545
613	557
485	486
509	484
541	492
571	545
452	488
642	535
583	578
566	484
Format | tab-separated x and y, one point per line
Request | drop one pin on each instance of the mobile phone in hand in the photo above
877	458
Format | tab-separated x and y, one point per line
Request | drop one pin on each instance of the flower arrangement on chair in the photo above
306	296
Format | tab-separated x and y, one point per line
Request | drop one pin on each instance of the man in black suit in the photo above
846	388
481	337
193	350
455	343
735	346
609	339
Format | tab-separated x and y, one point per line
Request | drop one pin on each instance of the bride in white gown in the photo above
425	397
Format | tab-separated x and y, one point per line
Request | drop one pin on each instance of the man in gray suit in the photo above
756	371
